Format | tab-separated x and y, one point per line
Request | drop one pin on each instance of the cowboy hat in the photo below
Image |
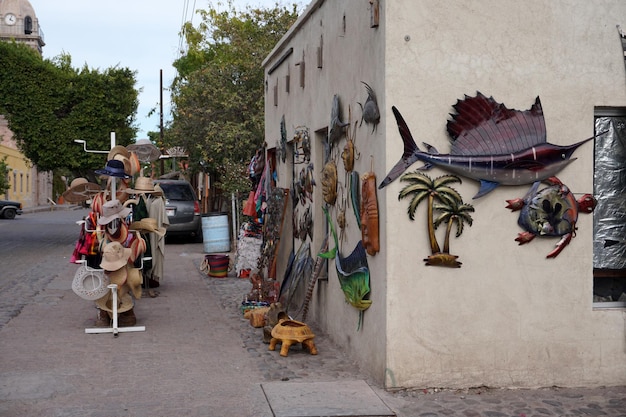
80	190
113	168
118	150
114	232
124	302
112	210
142	185
114	256
90	284
148	225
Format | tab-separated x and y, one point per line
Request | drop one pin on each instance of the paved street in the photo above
197	355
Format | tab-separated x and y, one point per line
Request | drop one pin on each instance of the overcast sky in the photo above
142	35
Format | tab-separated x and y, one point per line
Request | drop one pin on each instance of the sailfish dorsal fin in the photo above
482	126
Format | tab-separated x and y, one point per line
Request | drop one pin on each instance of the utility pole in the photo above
161	119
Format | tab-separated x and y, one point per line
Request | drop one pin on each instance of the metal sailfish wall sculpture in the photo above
491	144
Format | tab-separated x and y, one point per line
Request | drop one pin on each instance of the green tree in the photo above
218	96
4	179
49	104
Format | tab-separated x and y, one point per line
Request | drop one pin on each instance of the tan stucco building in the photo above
508	317
18	23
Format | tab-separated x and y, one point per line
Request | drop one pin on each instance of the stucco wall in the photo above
348	57
508	317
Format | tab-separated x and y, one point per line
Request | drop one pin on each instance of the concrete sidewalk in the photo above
199	357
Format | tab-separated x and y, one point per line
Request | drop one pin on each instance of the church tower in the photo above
18	22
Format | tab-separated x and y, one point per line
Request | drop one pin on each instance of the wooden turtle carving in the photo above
288	332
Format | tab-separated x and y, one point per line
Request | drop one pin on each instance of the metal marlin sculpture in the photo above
491	144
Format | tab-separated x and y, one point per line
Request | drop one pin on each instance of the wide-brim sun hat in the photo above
111	210
80	190
90	284
113	168
146	151
114	256
148	225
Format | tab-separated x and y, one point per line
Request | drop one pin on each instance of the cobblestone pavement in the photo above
333	364
199	357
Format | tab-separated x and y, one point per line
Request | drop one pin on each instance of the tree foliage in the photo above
218	96
49	104
4	178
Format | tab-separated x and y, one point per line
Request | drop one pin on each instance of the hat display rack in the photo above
112	169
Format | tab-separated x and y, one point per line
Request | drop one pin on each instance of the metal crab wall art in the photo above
551	211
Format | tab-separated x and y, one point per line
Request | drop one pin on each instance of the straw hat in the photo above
124	302
134	281
80	190
142	185
113	168
111	210
148	225
118	276
114	256
135	165
118	150
90	284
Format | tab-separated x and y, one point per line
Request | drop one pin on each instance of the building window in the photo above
28	25
21	182
609	217
14	181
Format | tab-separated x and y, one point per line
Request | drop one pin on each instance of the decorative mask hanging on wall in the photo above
491	144
551	211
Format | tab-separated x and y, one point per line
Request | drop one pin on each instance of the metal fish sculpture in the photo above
491	144
370	112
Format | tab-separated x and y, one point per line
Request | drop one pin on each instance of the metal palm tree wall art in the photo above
442	200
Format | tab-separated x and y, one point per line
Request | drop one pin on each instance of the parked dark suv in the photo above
183	209
8	209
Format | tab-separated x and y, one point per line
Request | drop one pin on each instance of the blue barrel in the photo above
215	232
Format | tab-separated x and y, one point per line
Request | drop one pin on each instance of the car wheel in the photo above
9	214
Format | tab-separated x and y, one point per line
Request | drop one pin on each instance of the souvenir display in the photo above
302	145
550	211
145	150
491	144
441	199
337	127
349	153
281	153
110	250
355	195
